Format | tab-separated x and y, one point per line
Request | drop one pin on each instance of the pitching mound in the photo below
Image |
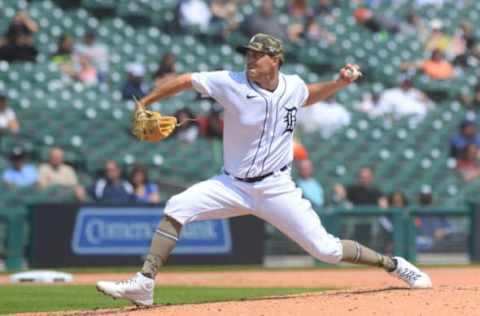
360	292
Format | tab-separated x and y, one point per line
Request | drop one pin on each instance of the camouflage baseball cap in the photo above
264	43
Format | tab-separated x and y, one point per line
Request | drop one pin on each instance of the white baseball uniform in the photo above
257	141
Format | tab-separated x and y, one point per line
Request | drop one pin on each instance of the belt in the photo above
258	178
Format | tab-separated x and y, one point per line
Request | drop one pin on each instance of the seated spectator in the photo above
264	21
166	69
211	126
188	130
194	13
364	192
299	151
311	188
402	101
20	173
112	188
225	11
8	119
465	46
63	57
437	39
134	86
299	11
144	190
96	53
414	26
472	101
467	135
375	23
56	173
314	32
432	229
18	44
468	165
369	103
397	199
87	73
323	7
327	117
436	67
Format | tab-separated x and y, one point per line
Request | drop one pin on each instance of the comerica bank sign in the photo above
129	230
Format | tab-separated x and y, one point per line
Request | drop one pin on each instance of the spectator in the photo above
431	229
436	67
63	57
56	173
299	11
299	151
323	7
374	23
468	165
314	32
19	174
327	117
211	126
21	25
264	21
438	40
397	199
112	188
166	69
402	101
194	13
87	73
465	51
134	86
225	11
312	190
414	26
8	119
472	101
96	53
144	190
17	44
369	104
467	135
364	192
188	131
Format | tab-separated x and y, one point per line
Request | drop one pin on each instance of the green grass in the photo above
41	298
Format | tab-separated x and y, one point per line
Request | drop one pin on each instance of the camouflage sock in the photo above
353	252
163	242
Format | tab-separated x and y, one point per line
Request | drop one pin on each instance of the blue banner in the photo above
129	230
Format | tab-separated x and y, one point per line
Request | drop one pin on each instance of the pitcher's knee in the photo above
328	250
177	208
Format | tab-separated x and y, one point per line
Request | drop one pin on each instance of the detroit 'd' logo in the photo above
290	119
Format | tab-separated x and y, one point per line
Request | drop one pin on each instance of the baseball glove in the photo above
152	126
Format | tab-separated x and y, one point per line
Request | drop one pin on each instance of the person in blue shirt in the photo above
144	190
312	190
467	135
112	188
19	174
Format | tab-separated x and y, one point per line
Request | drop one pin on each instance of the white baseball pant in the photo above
275	199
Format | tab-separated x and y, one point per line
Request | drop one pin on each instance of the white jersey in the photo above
258	124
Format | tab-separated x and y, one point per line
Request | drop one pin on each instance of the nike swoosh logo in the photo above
250	96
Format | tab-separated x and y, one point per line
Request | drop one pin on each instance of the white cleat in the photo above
138	290
410	274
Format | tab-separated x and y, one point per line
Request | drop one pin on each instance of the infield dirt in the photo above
359	292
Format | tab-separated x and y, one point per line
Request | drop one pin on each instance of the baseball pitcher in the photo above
260	107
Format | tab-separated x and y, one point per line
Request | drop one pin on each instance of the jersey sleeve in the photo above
210	84
303	91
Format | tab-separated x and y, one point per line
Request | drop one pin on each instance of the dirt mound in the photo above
369	292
